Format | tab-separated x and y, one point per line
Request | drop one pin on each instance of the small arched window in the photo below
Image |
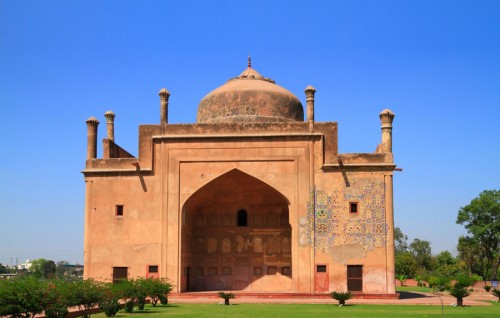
242	218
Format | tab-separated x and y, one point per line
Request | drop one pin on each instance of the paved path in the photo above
406	298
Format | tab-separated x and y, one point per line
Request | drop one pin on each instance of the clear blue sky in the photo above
435	64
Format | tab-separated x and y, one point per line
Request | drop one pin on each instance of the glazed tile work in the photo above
332	224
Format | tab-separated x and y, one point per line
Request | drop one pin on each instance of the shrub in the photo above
163	300
459	293
341	297
402	279
158	289
226	297
109	303
127	290
87	294
487	288
110	307
58	296
22	297
496	292
439	283
464	280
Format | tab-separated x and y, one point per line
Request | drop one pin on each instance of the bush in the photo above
341	297
439	283
163	300
127	290
109	303
58	296
464	280
158	289
487	288
496	292
226	297
22	297
110	307
87	294
459	293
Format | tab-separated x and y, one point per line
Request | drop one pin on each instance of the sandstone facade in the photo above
251	197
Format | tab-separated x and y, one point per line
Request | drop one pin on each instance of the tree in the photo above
400	240
43	268
406	264
481	218
421	250
468	252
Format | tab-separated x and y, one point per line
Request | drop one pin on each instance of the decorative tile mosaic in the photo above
329	222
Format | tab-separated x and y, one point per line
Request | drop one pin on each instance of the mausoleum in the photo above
253	197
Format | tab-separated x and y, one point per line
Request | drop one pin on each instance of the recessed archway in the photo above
236	235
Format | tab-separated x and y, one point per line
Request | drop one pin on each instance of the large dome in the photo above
250	97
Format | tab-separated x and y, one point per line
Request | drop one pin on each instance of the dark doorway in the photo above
354	277
119	274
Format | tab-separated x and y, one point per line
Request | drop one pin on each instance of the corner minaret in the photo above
110	124
310	91
92	124
386	118
164	95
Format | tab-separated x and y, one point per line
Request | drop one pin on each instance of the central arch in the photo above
236	235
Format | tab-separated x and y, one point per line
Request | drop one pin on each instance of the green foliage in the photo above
464	280
459	293
110	307
487	288
481	218
439	283
341	297
226	297
400	241
406	264
42	268
59	296
158	289
128	291
163	300
109	303
496	292
402	279
421	250
87	294
23	297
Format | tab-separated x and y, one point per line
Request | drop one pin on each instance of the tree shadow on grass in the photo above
411	295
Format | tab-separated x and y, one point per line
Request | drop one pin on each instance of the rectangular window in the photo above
119	210
353	207
153	269
354	277
321	268
119	274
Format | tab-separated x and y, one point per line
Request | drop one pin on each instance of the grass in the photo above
413	289
316	311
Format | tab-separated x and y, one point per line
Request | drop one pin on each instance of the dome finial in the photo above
249	62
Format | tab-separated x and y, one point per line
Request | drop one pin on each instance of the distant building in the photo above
250	197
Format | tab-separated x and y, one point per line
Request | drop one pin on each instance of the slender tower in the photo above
110	124
164	95
310	91
92	124
386	118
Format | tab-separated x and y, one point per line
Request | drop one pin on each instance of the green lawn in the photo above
309	311
413	289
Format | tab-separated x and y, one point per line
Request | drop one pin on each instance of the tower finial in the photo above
249	62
